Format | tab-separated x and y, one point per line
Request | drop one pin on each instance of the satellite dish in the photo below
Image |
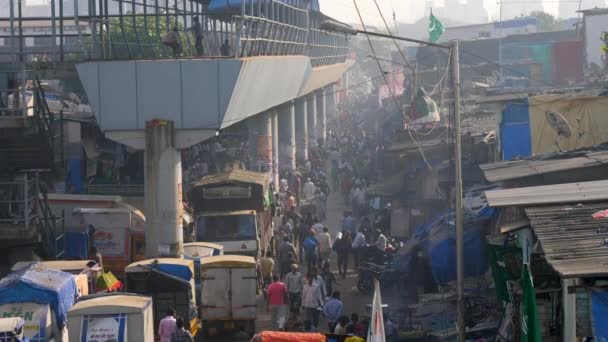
559	123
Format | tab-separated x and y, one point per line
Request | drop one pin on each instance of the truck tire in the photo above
251	328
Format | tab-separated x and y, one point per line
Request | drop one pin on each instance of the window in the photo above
226	228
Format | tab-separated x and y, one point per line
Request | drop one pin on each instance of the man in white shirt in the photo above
381	241
308	190
358	245
324	246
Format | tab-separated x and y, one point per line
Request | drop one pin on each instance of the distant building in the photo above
569	9
470	11
491	30
595	22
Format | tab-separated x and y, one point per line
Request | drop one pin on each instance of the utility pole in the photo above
458	183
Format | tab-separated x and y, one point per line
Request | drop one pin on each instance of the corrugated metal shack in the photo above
547	205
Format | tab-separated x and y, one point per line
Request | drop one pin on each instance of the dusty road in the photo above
353	300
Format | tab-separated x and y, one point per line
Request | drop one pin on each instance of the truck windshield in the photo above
226	228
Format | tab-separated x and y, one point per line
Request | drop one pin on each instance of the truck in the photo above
232	209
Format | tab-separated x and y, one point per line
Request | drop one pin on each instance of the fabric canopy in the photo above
36	284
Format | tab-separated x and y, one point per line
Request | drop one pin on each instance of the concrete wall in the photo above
197	94
594	26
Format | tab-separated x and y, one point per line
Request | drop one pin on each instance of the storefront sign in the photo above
111	242
104	328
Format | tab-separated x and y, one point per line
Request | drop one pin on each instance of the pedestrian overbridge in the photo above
196	94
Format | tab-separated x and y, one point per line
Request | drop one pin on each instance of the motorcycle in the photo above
368	272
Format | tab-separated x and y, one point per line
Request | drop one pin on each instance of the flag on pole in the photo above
436	28
376	326
530	323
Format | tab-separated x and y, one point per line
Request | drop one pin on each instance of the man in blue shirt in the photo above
349	224
332	311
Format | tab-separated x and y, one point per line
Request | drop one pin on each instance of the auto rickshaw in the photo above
124	317
170	283
228	293
196	251
11	329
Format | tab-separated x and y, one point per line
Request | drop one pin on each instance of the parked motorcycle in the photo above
368	272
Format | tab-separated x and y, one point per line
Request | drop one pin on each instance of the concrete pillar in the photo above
330	102
252	143
311	109
287	137
163	191
275	149
321	116
264	142
301	130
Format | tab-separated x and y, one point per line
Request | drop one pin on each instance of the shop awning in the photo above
575	244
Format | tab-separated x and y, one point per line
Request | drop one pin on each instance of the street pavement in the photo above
353	300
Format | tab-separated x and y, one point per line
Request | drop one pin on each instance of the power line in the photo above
390	90
391	33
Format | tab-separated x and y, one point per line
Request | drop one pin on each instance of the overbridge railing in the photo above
80	30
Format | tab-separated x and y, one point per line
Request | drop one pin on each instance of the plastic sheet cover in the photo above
36	284
438	241
180	271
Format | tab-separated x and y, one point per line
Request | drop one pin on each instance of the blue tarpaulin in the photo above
437	239
36	284
180	271
599	307
234	6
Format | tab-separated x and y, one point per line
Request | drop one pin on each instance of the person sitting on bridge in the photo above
172	40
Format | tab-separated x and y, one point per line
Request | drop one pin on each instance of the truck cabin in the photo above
226	226
231	208
234	190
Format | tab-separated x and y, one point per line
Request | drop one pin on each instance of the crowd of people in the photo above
300	287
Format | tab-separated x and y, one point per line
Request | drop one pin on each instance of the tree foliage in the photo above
546	22
140	37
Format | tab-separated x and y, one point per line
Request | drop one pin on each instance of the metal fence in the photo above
79	30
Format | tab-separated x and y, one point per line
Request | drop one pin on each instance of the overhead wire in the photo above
390	90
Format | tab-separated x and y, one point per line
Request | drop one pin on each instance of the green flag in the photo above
530	324
436	28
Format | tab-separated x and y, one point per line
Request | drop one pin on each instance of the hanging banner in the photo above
104	328
376	326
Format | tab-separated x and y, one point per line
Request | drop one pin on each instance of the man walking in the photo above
287	256
167	326
181	334
275	304
358	245
266	266
295	283
342	246
310	250
324	246
332	310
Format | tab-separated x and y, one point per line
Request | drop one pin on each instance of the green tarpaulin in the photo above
530	323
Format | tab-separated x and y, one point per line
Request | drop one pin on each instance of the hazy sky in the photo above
406	10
